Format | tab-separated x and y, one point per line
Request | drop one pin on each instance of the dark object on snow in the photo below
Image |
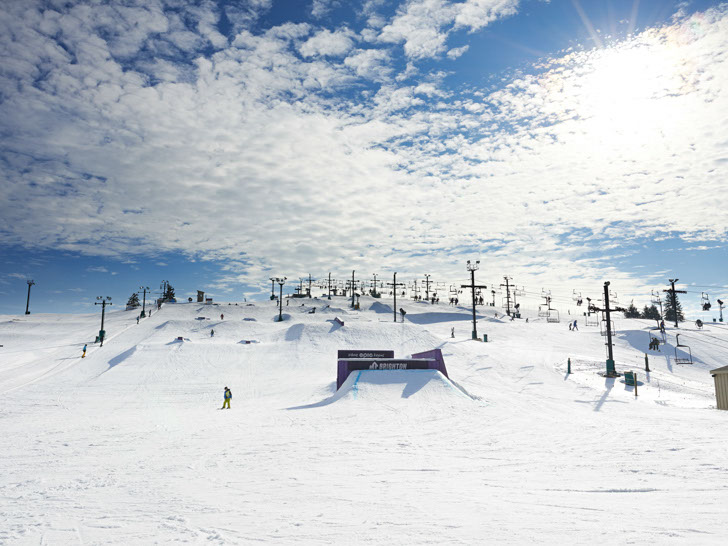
212	333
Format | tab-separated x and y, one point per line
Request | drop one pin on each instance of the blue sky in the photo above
215	144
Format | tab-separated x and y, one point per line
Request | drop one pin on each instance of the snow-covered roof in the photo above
724	369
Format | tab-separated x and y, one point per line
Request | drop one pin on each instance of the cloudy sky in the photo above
218	143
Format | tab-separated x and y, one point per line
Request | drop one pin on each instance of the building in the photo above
720	375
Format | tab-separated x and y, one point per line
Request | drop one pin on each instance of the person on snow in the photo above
222	317
212	333
576	328
403	313
228	396
570	326
84	351
452	331
662	326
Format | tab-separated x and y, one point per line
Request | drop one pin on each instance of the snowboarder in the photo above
228	396
403	313
576	327
212	333
84	351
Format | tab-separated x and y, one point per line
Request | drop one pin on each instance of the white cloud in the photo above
245	157
97	269
327	43
456	52
424	25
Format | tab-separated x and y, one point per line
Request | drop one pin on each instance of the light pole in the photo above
329	284
427	286
103	302
144	300
27	302
281	282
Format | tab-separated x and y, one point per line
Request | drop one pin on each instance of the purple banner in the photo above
436	355
343	355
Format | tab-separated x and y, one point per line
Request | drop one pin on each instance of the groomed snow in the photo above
127	446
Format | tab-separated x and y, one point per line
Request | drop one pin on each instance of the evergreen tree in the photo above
670	311
169	294
651	313
133	300
632	311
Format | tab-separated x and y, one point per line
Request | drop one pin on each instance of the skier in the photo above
452	332
576	328
84	351
137	319
570	326
212	333
403	313
228	396
662	326
222	317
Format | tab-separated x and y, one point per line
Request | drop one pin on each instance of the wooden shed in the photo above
720	375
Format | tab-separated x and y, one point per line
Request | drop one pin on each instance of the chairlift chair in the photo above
682	359
603	327
553	316
705	301
543	313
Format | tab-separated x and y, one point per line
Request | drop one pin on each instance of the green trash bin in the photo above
485	338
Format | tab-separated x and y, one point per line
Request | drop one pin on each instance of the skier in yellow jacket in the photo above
228	397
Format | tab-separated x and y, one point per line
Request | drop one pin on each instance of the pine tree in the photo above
632	311
133	300
670	312
651	313
169	294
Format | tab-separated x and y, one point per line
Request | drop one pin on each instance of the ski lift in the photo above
603	326
577	298
592	320
659	333
682	359
553	316
705	301
543	313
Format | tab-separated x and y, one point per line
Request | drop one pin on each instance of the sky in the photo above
562	143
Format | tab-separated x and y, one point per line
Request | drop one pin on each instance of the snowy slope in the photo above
127	446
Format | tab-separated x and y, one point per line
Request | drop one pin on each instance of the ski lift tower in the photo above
427	282
508	294
720	306
473	267
673	293
394	284
611	371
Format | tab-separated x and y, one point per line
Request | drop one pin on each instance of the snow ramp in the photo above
400	388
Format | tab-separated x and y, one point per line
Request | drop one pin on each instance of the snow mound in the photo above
399	387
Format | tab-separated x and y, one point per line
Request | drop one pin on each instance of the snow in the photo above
128	446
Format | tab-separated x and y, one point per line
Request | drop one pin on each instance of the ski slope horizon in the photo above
127	445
